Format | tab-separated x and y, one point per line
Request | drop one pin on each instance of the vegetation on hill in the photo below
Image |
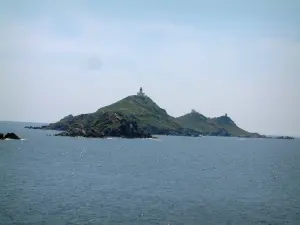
228	124
146	112
140	116
197	121
219	126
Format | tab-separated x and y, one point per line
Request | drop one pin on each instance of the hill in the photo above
219	126
139	116
146	112
198	122
139	112
227	123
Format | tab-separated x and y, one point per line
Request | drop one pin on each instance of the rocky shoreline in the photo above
126	132
113	125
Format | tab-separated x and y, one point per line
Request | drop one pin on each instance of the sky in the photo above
71	57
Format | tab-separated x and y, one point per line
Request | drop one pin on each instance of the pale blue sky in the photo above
239	57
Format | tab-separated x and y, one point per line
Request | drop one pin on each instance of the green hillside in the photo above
226	123
198	122
147	117
135	109
147	113
211	126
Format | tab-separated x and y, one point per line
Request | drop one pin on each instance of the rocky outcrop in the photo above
81	132
253	135
51	126
220	132
108	125
9	136
31	127
285	137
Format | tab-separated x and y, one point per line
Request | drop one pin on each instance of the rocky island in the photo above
138	116
285	137
12	136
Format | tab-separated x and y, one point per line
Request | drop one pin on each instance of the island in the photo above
285	137
138	116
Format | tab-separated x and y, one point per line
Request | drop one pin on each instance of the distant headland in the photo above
138	116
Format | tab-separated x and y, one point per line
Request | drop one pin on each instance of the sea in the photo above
170	180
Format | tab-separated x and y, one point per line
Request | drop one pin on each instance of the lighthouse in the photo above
141	93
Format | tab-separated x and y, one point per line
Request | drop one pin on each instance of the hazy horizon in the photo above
217	57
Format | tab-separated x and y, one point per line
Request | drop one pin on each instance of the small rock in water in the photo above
9	136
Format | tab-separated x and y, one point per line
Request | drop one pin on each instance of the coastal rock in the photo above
253	135
31	127
256	135
220	132
285	137
9	136
81	132
109	124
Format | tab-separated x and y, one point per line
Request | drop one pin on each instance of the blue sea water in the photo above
172	180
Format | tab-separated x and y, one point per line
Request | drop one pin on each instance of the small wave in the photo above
153	139
9	139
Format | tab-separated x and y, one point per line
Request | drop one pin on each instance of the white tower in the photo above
141	93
